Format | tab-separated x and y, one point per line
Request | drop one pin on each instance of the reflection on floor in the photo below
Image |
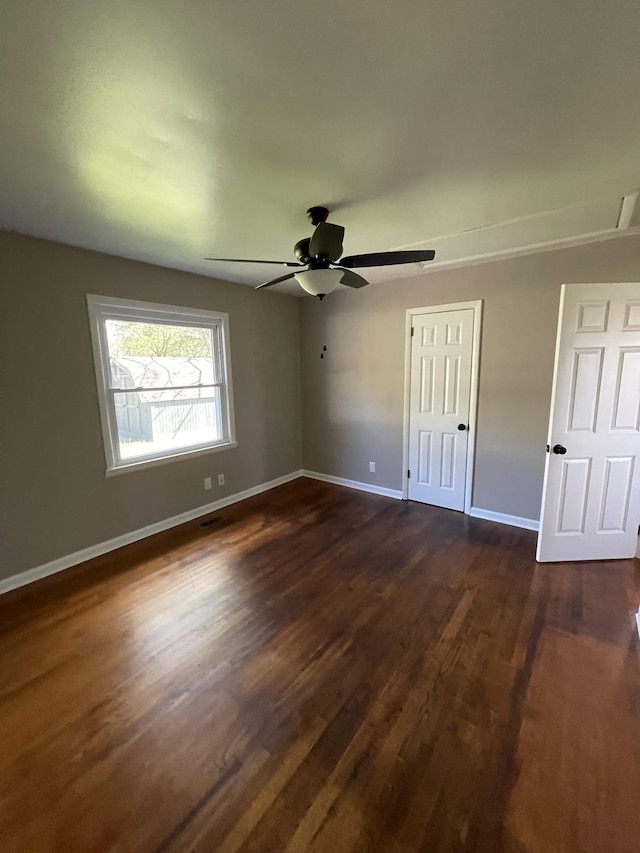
323	670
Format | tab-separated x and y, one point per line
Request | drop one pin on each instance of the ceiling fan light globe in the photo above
319	282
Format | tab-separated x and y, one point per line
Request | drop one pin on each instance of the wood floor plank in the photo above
323	670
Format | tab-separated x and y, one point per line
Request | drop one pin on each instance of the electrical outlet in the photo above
207	483
372	467
221	479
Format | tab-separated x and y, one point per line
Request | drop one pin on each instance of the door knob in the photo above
559	449
462	427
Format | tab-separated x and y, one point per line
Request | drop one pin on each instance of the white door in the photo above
591	495
440	388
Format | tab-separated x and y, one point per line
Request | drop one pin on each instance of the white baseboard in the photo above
503	518
354	484
476	512
66	562
101	548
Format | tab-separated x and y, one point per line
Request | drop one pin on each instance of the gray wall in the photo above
353	398
55	498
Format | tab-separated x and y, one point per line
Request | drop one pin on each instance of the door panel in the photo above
451	384
574	490
618	477
441	361
448	461
427	369
424	457
626	415
632	317
592	316
591	495
585	388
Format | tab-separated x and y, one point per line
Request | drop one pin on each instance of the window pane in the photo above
163	379
160	355
152	422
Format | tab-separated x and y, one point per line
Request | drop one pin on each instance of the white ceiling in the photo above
167	131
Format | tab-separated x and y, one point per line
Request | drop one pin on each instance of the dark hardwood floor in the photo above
323	670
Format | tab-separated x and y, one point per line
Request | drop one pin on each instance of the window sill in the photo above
163	460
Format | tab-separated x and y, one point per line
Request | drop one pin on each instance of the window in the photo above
164	381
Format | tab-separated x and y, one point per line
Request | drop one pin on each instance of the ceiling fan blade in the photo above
383	259
247	261
352	279
276	280
326	241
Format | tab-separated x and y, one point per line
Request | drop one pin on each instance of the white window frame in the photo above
103	308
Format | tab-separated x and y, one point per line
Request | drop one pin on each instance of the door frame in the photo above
476	305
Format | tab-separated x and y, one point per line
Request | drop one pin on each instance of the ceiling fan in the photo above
318	257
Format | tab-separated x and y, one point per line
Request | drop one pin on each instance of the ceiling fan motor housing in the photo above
301	250
317	215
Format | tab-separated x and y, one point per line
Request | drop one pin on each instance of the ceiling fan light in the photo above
319	282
